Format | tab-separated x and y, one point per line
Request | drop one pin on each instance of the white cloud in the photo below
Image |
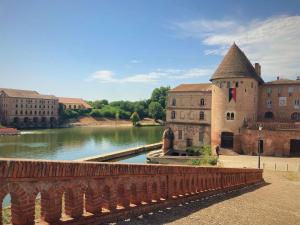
273	42
106	76
135	61
103	75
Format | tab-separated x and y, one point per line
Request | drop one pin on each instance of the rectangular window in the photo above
180	134
290	91
269	104
269	90
228	84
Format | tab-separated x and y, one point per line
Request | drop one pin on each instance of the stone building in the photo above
73	103
228	111
27	109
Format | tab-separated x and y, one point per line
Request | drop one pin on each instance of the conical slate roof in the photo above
235	64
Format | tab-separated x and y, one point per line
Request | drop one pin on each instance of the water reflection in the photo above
74	143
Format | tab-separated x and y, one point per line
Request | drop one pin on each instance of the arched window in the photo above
201	116
295	116
269	115
173	102
202	101
173	115
232	116
228	116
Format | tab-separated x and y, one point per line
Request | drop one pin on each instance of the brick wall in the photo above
275	142
101	192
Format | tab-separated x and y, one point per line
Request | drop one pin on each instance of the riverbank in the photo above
88	121
9	131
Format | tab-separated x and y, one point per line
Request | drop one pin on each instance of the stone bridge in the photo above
94	193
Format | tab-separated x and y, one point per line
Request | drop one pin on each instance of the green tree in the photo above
135	118
156	110
160	95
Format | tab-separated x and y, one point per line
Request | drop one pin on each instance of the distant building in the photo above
228	112
73	103
27	109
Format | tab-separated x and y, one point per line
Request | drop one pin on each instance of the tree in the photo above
135	118
160	95
156	110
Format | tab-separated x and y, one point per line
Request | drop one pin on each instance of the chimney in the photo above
257	69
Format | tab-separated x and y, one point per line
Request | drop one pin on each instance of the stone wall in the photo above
198	133
276	142
100	192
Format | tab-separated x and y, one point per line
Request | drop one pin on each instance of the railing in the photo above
93	193
273	125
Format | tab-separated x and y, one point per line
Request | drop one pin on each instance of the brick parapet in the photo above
103	189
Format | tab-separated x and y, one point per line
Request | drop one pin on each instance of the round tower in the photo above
234	98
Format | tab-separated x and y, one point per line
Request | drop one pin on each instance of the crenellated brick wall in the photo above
100	192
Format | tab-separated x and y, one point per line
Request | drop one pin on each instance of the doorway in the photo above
227	140
295	147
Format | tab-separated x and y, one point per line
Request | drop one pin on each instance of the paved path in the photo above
277	202
268	162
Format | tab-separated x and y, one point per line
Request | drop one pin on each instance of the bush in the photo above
197	151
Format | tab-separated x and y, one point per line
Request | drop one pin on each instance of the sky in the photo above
122	50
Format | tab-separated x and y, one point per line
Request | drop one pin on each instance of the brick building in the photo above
73	103
27	109
228	111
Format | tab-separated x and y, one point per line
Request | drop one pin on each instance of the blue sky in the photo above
123	49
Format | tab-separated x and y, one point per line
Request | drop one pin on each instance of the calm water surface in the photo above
77	142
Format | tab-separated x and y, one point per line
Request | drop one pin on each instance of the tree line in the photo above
154	107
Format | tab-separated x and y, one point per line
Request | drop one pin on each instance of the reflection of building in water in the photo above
73	103
27	109
227	111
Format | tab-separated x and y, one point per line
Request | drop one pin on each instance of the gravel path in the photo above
276	202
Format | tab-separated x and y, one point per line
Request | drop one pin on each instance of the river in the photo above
78	142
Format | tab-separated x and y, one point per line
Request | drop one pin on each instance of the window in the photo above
173	115
201	136
202	101
269	103
269	115
251	84
297	102
201	115
180	134
279	90
16	112
173	102
228	116
269	91
16	105
295	116
290	90
236	84
232	116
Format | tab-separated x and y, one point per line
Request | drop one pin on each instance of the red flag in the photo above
232	94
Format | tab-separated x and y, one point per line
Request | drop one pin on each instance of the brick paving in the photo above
276	202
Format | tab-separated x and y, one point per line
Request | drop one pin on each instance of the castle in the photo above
238	110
